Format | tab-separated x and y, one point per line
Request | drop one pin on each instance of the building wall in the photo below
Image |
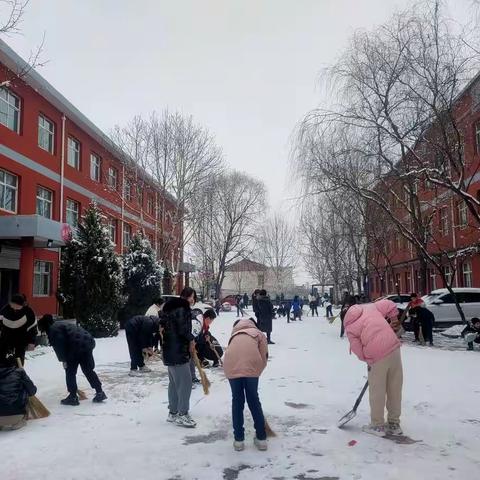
459	237
20	155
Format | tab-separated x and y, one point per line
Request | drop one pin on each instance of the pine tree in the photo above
142	276
94	277
69	276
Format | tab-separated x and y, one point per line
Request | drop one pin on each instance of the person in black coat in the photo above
15	388
142	332
206	344
425	320
471	333
255	295
265	314
177	347
74	347
18	328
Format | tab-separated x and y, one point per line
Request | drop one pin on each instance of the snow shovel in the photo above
353	412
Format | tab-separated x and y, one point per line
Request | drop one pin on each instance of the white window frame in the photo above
127	187
150	205
113	229
444	221
6	187
113	178
467	273
44	200
95	167
12	105
127	234
46	132
72	212
462	215
73	154
42	278
448	273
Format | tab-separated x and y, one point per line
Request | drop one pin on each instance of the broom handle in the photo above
215	352
19	363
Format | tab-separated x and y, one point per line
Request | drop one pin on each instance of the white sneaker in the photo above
172	417
185	421
260	444
145	369
238	446
393	428
134	373
379	431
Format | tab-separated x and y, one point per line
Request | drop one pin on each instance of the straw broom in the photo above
35	408
203	376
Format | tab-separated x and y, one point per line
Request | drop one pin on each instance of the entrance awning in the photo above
46	233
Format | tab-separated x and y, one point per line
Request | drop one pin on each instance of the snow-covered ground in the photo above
309	383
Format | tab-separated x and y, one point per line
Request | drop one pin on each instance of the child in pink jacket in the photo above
374	341
244	361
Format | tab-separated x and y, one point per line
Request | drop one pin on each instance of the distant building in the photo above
247	275
53	162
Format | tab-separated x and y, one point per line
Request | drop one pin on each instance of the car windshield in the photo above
430	298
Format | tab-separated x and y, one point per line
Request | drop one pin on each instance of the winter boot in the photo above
393	428
145	369
99	397
470	346
378	430
260	444
72	400
172	417
134	373
238	445
185	421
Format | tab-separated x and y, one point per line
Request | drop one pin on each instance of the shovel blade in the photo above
346	418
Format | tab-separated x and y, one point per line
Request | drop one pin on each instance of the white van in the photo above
441	303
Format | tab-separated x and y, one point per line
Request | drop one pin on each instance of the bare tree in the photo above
230	208
278	248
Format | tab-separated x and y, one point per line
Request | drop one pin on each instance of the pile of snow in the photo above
310	382
453	332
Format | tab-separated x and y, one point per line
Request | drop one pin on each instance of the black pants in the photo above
342	328
17	350
87	364
134	349
314	309
415	327
427	330
205	352
329	312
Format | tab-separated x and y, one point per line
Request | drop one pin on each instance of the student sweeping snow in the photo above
244	361
374	341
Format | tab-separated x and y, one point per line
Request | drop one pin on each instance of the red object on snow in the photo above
352	443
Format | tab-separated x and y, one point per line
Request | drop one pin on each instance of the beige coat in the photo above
247	351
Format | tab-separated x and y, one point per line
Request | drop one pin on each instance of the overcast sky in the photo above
246	69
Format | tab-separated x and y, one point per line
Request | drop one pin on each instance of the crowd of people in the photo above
373	330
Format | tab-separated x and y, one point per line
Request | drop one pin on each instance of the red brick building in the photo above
453	226
53	163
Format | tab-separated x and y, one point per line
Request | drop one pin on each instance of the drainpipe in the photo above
62	168
454	240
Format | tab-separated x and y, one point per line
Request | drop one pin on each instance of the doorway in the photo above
9	281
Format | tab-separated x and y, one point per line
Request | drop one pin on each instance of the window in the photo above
46	134
398	239
95	167
73	210
443	214
42	278
261	280
112	177
44	202
9	110
73	156
471	297
467	273
150	205
112	230
8	191
127	235
128	190
447	271
462	215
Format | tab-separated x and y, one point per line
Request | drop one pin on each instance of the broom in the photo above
203	376
268	430
214	350
82	395
35	408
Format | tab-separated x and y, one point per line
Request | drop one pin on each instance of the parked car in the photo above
231	299
441	303
400	300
